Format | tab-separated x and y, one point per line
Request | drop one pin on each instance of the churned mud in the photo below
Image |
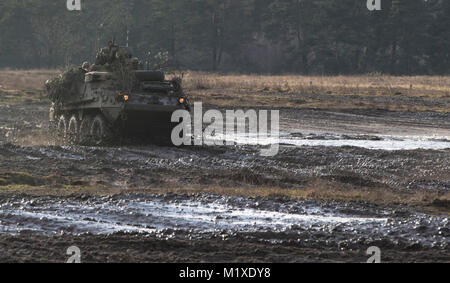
196	219
342	182
197	216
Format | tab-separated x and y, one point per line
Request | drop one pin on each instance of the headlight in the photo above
182	100
124	96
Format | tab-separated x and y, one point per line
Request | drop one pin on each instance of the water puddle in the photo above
185	217
390	143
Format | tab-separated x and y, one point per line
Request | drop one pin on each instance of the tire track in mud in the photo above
29	159
234	166
203	216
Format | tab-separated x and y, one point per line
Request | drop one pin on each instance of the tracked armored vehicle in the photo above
113	99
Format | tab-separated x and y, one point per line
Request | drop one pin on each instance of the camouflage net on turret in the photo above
113	59
120	62
123	67
65	84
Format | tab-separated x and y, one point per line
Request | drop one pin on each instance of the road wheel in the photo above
100	131
73	130
53	129
61	130
85	130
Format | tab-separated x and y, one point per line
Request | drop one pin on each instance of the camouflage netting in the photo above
120	62
65	84
114	59
123	67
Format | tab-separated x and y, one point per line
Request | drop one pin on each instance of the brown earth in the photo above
125	249
32	166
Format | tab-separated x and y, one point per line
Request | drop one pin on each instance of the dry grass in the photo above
416	93
19	86
433	86
326	191
366	92
320	190
25	80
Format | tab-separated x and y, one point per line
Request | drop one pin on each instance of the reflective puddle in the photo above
210	215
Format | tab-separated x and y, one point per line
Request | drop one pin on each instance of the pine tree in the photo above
439	45
301	36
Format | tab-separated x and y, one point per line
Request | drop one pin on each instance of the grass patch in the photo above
321	190
24	86
405	93
430	201
369	85
393	93
64	190
20	178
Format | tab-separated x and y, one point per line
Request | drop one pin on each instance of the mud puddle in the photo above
375	142
201	216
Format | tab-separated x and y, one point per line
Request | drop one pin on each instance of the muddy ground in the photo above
336	188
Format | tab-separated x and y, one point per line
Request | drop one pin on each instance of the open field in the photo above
363	161
416	93
17	86
420	93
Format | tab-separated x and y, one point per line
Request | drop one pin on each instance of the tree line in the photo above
260	36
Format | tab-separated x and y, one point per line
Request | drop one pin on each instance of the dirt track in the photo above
132	248
410	190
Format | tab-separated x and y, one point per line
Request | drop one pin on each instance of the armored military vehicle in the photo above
94	105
